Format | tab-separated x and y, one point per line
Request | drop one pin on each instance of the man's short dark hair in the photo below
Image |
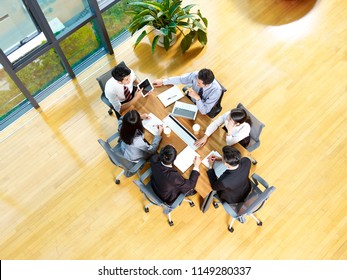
167	154
231	155
206	76
120	72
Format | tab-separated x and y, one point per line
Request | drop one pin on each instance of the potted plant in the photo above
167	16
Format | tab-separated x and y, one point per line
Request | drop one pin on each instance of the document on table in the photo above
170	95
185	159
151	124
218	166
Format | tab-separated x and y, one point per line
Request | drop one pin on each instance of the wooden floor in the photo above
57	195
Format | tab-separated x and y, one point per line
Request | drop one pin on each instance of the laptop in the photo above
185	110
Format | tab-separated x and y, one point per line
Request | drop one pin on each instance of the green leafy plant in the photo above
168	16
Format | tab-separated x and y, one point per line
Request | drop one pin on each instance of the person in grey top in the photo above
205	91
133	142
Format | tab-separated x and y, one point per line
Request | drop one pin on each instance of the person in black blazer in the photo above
166	181
233	185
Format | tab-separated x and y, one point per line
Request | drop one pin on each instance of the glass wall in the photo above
81	44
116	21
64	15
10	95
39	61
16	25
43	71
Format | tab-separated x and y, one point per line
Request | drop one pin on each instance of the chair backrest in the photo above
151	196
255	200
217	107
117	157
256	128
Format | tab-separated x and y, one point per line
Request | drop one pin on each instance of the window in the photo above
19	33
42	72
63	15
116	21
10	95
80	45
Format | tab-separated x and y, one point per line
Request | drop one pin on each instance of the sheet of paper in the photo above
185	159
218	166
151	124
170	95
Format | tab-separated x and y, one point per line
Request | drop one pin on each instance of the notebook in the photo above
185	110
185	159
218	166
170	95
151	124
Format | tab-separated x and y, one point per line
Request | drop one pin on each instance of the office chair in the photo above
217	108
256	128
153	199
254	201
102	80
129	168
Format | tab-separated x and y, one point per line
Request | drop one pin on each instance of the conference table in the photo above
152	104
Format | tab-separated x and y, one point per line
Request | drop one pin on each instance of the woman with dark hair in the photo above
237	124
131	130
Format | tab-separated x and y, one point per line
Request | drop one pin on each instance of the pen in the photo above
172	97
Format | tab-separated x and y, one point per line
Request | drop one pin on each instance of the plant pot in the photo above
161	38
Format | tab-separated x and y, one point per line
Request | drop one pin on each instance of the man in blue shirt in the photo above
204	89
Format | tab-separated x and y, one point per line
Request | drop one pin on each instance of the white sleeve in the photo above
110	93
216	123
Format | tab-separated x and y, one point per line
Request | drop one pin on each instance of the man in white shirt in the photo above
121	89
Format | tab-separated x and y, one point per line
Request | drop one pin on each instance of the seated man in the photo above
205	91
233	185
120	89
166	182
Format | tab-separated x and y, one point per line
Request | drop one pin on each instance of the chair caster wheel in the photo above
146	209
254	162
117	182
191	204
171	223
260	224
231	229
215	205
110	112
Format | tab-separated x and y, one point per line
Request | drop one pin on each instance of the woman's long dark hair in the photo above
240	116
131	127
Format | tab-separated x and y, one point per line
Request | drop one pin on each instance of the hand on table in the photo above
201	142
197	161
158	83
145	116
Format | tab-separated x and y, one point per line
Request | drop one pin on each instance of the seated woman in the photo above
237	125
134	145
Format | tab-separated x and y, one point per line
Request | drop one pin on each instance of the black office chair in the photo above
102	80
256	128
129	168
254	201
217	108
153	199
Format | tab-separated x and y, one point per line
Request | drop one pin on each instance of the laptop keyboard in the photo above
184	113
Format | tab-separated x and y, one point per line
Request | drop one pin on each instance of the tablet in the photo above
146	85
